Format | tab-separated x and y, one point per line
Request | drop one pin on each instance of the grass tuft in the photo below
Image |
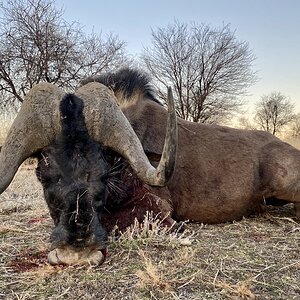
150	275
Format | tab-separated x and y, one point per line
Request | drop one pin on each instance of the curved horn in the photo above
168	159
34	128
115	131
38	123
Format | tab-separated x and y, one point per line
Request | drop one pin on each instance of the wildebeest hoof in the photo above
68	256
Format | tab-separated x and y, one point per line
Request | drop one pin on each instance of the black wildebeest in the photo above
221	173
70	134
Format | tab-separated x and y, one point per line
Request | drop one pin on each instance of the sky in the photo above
271	27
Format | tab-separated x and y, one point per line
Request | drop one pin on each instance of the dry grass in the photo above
255	258
5	123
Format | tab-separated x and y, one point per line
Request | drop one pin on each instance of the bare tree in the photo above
274	112
245	123
208	69
295	128
37	44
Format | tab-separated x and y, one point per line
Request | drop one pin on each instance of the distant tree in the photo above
246	123
208	68
274	112
296	126
37	44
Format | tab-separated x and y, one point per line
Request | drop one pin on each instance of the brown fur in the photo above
221	174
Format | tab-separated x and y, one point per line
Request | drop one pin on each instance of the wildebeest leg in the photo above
289	190
295	199
280	173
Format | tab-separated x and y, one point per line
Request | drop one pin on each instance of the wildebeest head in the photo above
40	124
74	175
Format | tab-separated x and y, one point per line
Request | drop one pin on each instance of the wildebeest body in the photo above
222	173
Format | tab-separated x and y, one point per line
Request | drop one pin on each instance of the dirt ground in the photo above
255	258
